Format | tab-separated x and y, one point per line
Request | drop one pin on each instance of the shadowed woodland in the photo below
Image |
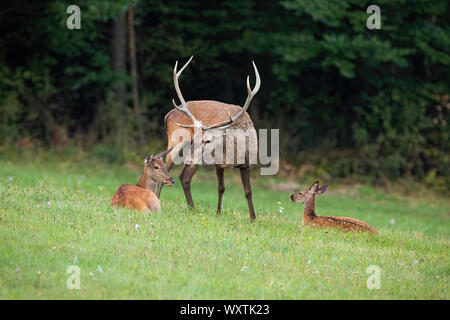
349	101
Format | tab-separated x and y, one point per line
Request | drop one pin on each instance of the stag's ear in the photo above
148	159
322	190
314	186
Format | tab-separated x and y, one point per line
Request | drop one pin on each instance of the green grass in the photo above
196	254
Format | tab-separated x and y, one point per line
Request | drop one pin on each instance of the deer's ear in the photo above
322	190
314	186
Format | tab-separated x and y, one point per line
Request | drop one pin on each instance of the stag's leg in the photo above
169	164
185	177
221	187
245	177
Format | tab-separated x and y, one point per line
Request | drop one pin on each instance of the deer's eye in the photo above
156	167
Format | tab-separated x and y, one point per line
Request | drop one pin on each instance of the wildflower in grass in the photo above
49	203
416	261
75	260
309	261
99	269
392	221
10	178
150	233
136	226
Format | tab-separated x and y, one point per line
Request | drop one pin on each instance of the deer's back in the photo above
134	197
348	224
208	112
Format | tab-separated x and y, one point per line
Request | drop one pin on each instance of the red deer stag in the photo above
207	118
141	196
310	218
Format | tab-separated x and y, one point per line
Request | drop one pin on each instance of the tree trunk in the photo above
133	66
119	61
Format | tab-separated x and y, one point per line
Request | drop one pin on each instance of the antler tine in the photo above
250	94
184	108
163	154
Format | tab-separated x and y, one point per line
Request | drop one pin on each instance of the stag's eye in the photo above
156	167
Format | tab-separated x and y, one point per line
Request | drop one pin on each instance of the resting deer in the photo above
308	197
141	196
198	118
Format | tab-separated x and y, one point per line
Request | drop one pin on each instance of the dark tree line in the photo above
374	101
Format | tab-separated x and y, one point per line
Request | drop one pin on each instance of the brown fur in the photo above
134	197
310	218
208	112
141	196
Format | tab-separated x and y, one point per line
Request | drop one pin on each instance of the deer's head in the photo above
156	169
307	194
208	135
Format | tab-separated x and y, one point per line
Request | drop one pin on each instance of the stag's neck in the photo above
145	182
309	212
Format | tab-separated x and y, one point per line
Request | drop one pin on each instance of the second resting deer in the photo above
310	218
141	196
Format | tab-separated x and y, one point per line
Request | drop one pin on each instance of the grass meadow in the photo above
56	213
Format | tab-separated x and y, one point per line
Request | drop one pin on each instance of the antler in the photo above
184	109
251	93
163	154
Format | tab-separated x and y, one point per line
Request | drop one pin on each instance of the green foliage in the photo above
108	154
327	81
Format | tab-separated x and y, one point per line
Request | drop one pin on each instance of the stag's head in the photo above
309	193
156	169
208	135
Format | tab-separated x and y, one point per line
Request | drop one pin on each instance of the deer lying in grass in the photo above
308	197
141	196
